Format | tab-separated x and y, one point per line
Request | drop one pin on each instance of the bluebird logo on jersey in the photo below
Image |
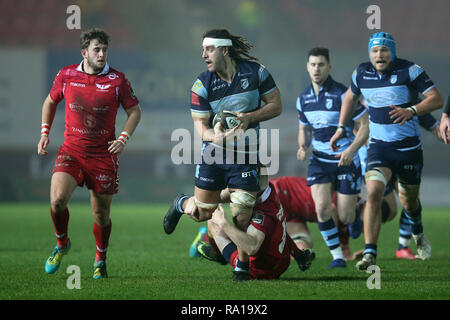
393	78
244	83
329	104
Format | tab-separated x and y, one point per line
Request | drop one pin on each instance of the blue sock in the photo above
228	251
180	204
415	217
405	231
242	266
330	234
370	248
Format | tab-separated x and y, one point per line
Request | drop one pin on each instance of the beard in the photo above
96	67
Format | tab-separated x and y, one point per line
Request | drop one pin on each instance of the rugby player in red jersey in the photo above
265	240
93	92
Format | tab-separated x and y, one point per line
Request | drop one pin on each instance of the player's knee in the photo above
242	203
348	217
375	192
204	210
303	240
58	204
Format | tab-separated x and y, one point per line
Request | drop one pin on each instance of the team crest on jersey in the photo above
112	76
244	83
329	104
258	218
393	78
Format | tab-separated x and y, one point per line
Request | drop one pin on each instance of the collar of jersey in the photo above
104	71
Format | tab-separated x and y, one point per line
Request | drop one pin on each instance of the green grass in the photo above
145	263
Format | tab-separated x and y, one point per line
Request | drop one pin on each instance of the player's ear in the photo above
84	53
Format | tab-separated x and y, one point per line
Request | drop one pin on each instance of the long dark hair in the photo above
241	47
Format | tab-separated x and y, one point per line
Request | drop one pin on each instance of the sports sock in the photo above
371	249
180	202
405	231
242	266
329	233
61	222
415	217
228	251
101	236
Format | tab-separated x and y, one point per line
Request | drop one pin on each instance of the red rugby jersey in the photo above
273	257
91	106
295	197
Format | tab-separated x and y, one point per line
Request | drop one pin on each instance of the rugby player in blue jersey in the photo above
234	82
391	88
329	170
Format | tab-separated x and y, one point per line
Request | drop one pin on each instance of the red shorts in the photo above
100	174
260	274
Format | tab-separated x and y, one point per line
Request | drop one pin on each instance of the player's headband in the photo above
216	42
383	39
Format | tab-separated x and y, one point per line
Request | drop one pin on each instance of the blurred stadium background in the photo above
157	44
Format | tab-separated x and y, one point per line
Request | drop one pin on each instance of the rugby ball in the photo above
227	119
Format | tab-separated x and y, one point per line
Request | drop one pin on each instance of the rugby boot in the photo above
205	251
405	253
54	261
193	253
337	263
304	259
100	270
367	261
172	216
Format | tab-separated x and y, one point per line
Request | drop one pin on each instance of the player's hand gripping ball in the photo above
227	119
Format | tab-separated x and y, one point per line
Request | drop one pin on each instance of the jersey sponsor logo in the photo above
75	107
106	185
258	218
329	104
76	84
370	78
112	76
103	177
383	96
220	86
90	131
327	94
103	86
244	83
101	109
246	174
393	79
310	101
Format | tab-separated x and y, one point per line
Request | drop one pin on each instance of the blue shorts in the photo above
406	165
218	176
345	180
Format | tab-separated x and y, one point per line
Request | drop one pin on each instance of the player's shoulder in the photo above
115	74
68	71
338	87
364	66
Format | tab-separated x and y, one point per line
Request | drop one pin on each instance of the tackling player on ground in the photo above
93	92
233	82
390	87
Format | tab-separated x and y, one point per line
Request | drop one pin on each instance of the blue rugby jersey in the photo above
211	94
400	85
322	113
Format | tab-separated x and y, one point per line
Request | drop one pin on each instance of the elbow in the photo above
253	248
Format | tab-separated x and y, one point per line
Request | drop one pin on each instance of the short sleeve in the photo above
57	89
200	107
126	95
266	82
301	116
354	84
419	79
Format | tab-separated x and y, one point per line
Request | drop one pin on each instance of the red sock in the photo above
61	222
101	236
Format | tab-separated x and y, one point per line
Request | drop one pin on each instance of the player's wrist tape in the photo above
413	110
124	137
45	129
340	128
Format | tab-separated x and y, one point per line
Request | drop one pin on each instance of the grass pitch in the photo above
145	263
